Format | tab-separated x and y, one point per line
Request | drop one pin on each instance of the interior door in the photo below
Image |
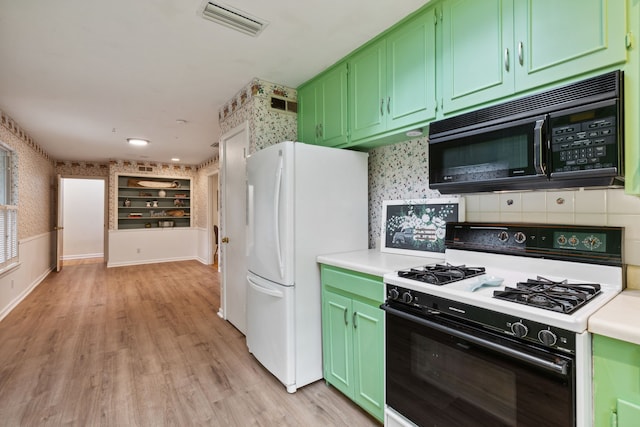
234	146
59	221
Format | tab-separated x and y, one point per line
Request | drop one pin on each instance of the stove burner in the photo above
556	296
441	274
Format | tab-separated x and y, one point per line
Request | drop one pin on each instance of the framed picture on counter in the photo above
417	227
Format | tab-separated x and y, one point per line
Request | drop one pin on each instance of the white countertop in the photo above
618	318
374	262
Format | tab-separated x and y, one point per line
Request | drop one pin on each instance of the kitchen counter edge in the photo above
617	319
374	262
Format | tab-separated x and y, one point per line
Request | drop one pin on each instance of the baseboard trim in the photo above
22	295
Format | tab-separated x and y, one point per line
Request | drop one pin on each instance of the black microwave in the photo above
568	137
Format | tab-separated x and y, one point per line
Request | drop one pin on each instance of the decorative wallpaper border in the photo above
256	88
15	129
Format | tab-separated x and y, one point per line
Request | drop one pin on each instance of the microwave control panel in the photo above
585	140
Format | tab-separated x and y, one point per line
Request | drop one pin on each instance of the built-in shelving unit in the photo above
153	202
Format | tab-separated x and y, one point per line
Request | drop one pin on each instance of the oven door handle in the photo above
560	367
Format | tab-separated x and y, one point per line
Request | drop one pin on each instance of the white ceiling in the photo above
81	76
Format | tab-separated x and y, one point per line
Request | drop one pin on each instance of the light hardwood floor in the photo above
143	346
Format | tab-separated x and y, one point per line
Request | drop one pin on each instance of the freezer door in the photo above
270	212
270	329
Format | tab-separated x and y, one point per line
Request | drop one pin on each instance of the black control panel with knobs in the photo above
595	245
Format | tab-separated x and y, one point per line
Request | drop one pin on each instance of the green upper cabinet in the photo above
476	41
368	91
392	81
322	115
495	48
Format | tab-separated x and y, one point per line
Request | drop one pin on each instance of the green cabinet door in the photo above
322	108
368	351
616	382
353	336
307	123
392	83
332	109
477	53
337	334
368	91
559	39
411	72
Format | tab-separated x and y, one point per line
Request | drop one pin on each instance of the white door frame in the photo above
243	127
105	220
213	212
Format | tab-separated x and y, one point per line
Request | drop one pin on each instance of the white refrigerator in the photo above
303	201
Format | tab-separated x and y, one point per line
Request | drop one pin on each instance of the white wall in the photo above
83	218
35	264
152	245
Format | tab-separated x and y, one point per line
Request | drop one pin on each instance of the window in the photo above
8	208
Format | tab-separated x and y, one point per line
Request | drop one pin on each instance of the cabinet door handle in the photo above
355	325
317	130
520	57
389	105
506	59
320	130
382	106
346	322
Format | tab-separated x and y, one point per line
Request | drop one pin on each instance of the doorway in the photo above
214	220
83	201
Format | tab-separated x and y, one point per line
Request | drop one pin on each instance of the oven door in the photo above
443	373
508	156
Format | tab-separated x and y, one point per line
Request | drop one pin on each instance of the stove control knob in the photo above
503	236
520	237
407	298
519	329
547	337
394	294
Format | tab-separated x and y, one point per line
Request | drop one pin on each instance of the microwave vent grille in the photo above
605	86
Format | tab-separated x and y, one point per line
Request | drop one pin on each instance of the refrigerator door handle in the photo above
276	207
263	290
250	218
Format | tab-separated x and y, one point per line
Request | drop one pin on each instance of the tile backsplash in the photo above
400	172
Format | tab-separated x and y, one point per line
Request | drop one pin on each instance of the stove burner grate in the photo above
441	274
550	295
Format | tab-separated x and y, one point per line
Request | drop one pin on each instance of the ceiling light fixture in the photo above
137	141
232	18
175	159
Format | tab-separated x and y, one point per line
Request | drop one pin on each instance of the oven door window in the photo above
437	379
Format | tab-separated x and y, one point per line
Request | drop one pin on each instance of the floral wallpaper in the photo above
266	127
35	172
200	192
396	172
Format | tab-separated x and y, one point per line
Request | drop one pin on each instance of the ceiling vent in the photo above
232	18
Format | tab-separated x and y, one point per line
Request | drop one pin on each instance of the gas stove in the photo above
505	295
554	275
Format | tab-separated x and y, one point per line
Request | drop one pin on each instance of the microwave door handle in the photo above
538	147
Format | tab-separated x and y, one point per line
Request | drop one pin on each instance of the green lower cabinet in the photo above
353	336
616	383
